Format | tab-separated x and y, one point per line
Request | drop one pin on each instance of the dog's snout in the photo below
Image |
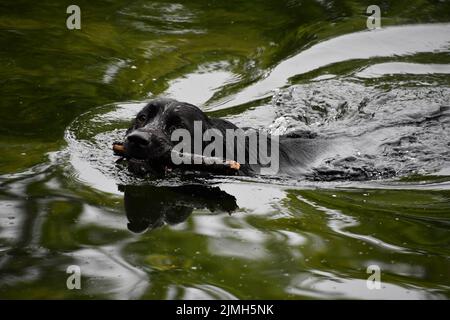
139	138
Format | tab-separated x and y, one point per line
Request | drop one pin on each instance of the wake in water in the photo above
372	133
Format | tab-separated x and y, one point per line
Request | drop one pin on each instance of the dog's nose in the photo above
139	138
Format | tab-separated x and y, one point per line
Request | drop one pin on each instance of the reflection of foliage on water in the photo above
54	87
312	244
382	227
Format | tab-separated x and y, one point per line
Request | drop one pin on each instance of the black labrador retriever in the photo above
149	141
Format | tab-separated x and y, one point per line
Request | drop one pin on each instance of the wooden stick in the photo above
118	149
193	161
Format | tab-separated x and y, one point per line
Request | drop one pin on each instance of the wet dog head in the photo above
148	142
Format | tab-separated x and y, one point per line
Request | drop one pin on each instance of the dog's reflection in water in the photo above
150	207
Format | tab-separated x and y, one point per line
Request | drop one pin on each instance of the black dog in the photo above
148	142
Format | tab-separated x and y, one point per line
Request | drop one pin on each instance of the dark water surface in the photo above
378	195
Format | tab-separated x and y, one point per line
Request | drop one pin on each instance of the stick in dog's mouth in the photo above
194	161
119	149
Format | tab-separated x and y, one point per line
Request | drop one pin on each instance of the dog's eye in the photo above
142	118
173	127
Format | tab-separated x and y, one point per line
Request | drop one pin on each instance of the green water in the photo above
281	240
